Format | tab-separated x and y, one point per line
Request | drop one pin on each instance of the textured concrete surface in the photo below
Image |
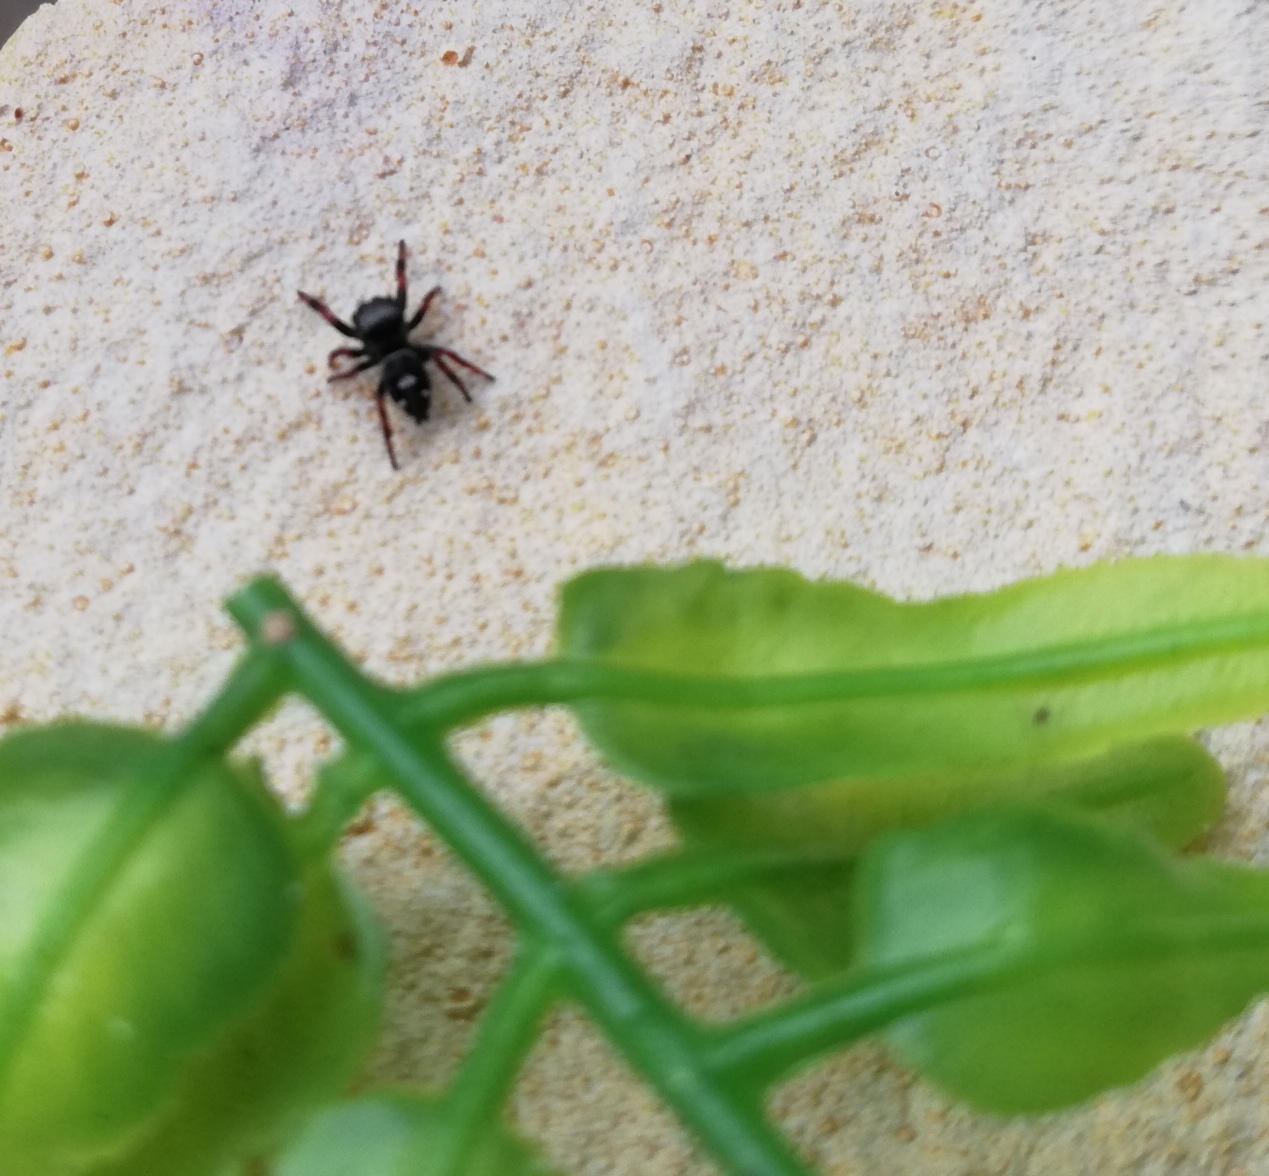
931	295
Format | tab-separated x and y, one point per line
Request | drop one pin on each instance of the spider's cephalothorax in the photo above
379	325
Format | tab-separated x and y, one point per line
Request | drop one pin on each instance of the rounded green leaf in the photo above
398	1133
1057	668
1171	788
215	981
1120	954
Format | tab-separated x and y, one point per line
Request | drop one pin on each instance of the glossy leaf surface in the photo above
1171	788
1045	670
397	1134
294	1049
154	1044
1123	955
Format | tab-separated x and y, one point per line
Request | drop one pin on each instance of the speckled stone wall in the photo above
933	296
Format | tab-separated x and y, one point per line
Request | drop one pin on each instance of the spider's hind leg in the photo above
471	367
344	353
440	354
387	428
356	369
439	360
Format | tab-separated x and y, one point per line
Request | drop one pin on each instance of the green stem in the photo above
839	1012
684	879
254	687
842	1011
456	699
342	787
656	1039
503	1040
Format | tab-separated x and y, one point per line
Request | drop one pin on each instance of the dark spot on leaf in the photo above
1041	716
344	945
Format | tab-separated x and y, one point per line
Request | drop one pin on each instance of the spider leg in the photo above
387	430
352	371
422	310
458	359
329	315
344	353
401	282
453	379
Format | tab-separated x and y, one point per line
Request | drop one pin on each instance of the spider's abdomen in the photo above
406	382
378	321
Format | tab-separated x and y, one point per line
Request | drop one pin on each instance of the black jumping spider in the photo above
379	326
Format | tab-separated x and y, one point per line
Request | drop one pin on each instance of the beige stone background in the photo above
931	295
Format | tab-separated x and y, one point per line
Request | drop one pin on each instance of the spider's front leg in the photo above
422	310
401	282
329	315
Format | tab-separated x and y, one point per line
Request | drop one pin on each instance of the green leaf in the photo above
217	984
398	1133
1046	670
1170	788
294	1049
1121	955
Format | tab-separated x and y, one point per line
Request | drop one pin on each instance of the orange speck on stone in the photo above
1190	1084
80	603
